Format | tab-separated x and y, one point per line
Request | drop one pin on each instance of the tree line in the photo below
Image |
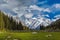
8	23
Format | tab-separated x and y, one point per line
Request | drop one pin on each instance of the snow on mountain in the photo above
33	23
31	13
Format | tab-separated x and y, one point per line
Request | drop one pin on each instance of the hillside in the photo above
54	26
7	23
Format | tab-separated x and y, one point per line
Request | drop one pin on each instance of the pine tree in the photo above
8	23
1	21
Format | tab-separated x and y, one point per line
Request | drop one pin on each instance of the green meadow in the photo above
29	36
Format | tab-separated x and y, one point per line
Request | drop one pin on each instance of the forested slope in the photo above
7	23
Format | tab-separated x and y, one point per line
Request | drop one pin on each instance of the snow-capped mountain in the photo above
32	23
32	13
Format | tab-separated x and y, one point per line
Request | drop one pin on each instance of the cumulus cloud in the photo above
47	10
11	3
57	5
46	15
29	15
35	7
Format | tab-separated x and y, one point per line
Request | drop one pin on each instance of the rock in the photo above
15	39
9	37
34	32
5	39
48	35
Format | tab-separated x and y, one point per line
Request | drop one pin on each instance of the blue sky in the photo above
50	4
49	10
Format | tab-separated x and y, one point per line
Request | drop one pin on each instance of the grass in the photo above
29	36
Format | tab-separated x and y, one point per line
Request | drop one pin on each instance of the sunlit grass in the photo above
29	36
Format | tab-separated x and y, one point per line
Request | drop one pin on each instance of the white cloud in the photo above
47	10
22	11
3	5
28	15
57	16
56	5
53	20
34	18
6	1
34	7
9	4
43	2
46	15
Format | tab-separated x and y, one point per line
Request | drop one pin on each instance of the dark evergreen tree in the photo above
8	23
